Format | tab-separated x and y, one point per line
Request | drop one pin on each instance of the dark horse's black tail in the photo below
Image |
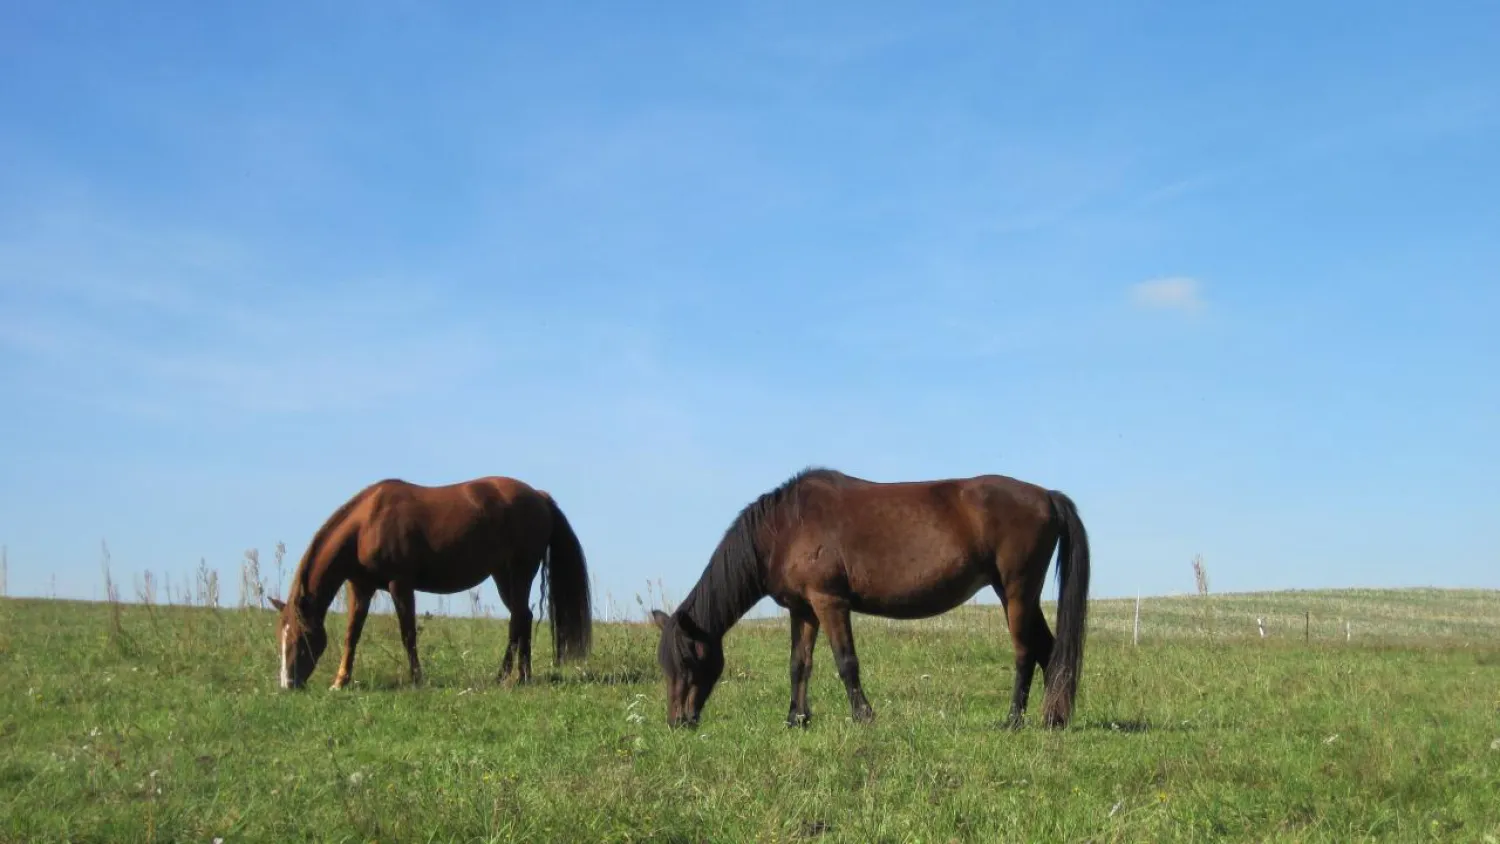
1072	609
565	590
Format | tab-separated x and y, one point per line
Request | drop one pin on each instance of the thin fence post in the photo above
1135	637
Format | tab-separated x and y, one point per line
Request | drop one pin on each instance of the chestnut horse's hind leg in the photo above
405	599
520	629
804	637
359	607
833	614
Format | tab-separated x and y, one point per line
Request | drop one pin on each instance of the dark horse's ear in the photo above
691	630
659	619
279	605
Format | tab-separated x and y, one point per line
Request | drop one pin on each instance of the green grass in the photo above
169	727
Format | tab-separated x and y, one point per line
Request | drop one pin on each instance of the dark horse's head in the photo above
692	661
302	638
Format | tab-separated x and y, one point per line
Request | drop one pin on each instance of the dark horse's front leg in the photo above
405	599
804	636
833	614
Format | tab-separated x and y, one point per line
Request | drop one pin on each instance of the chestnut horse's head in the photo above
692	661
301	639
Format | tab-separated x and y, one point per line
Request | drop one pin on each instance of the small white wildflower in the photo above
356	778
1331	739
1115	808
926	677
1495	745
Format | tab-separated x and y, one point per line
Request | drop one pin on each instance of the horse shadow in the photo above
581	677
1136	726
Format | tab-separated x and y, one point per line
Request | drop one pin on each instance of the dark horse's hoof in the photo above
803	720
863	715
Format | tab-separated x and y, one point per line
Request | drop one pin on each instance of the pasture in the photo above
154	723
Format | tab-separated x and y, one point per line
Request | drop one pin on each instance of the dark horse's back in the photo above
910	549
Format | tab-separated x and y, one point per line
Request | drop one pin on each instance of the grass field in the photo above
157	723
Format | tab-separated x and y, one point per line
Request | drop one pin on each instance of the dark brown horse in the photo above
406	538
825	544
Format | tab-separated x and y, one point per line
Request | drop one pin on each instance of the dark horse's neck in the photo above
726	591
735	577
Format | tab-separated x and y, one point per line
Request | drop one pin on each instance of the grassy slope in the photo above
176	731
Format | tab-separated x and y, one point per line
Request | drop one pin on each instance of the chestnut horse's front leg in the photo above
359	607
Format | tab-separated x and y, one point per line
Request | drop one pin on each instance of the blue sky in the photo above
1225	273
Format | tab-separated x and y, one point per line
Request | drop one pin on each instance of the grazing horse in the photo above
407	538
824	544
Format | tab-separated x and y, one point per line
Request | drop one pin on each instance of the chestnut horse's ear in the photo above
279	605
659	619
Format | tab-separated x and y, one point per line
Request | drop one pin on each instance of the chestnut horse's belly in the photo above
448	582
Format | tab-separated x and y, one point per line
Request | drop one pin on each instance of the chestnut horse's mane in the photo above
733	580
302	577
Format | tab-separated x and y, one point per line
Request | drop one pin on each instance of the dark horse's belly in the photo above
936	599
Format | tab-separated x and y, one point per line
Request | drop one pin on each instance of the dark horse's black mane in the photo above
732	582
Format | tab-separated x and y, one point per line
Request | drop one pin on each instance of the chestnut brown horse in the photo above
407	538
825	544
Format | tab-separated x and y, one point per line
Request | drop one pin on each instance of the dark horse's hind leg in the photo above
514	596
804	636
405	599
1033	645
833	614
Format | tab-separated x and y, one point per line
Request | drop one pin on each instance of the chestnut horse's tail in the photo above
565	591
1063	670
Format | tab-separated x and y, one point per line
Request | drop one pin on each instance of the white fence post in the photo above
1135	637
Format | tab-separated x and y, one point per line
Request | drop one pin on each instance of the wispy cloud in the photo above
144	313
1173	293
1180	188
